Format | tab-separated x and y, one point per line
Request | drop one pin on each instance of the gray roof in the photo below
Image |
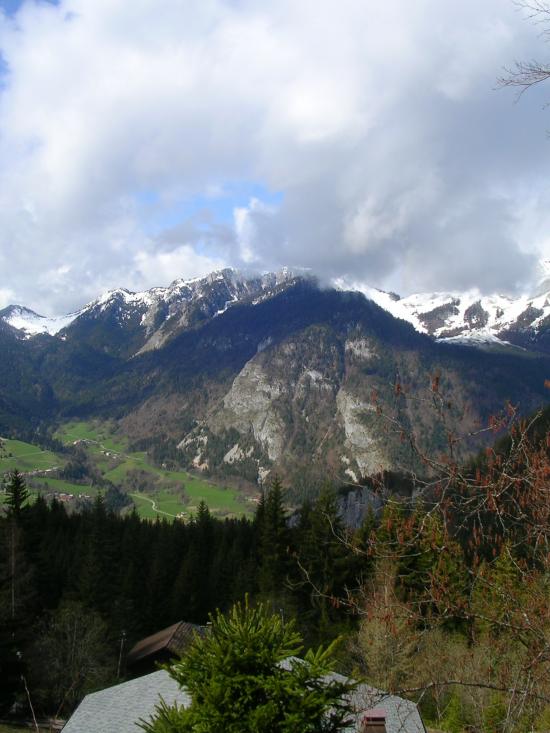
118	709
402	715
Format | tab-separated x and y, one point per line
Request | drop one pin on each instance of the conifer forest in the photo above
442	598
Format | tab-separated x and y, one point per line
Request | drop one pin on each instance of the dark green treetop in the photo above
17	493
238	684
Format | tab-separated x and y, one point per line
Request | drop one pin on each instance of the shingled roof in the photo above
173	640
118	709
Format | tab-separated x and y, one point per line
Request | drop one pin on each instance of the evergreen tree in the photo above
11	666
16	591
17	494
330	568
274	543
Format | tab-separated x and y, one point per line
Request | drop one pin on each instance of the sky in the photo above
363	140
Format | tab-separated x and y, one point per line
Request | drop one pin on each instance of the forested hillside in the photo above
443	597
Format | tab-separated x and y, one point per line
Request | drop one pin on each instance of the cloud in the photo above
6	297
395	160
164	267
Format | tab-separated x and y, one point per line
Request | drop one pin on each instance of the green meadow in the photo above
65	487
168	493
26	457
171	493
98	436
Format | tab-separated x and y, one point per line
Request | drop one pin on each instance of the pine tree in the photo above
238	684
274	543
327	566
16	494
16	591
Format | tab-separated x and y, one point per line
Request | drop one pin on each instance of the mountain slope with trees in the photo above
294	382
432	592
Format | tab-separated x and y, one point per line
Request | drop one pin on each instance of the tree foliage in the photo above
244	676
16	494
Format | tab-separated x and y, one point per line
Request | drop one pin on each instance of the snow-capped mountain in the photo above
472	317
247	374
157	315
137	322
469	317
30	323
127	323
475	319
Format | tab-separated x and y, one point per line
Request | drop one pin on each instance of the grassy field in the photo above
170	493
161	506
25	457
65	487
99	435
172	485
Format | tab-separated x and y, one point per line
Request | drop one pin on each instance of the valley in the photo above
105	461
180	404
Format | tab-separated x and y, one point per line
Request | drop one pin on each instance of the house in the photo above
161	647
119	709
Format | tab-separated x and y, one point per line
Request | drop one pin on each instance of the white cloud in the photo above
396	160
164	267
6	297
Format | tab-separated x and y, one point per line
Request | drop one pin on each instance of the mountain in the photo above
124	323
245	375
475	319
29	323
128	323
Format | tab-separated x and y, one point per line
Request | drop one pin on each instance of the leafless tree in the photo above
526	74
484	530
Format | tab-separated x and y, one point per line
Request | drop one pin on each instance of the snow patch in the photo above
31	323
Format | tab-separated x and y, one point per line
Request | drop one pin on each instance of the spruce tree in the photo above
327	566
274	543
243	677
16	494
16	590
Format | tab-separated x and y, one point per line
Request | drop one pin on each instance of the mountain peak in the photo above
15	310
29	323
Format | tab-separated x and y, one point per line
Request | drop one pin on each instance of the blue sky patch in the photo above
157	216
12	6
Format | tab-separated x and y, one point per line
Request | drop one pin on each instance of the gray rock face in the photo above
250	406
354	506
294	398
361	443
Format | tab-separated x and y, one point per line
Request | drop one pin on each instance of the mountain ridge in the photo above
467	317
280	375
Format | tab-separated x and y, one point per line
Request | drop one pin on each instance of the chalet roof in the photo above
118	709
173	639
